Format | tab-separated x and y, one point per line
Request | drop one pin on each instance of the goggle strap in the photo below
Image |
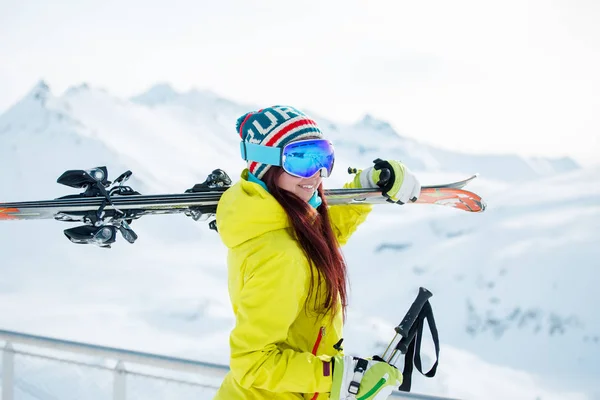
262	154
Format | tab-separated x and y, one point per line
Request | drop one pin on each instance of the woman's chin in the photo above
304	195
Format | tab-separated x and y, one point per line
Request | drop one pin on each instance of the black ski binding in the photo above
102	236
95	181
216	179
102	225
99	231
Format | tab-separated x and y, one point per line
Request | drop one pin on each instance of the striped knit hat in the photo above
274	126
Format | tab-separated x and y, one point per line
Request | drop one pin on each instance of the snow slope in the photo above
513	287
516	285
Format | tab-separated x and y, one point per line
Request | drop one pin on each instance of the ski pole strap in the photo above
413	354
359	371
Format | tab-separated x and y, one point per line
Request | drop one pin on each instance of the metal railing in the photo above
216	372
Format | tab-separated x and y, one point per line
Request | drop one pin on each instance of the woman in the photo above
287	277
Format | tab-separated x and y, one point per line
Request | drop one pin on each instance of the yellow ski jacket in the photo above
280	347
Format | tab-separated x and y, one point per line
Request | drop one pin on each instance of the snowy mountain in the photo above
513	287
368	139
188	126
371	138
517	285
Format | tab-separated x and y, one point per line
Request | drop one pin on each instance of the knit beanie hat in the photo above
275	126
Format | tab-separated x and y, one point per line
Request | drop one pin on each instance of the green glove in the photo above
365	379
399	184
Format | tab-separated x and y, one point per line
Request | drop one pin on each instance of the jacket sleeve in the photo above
272	296
346	218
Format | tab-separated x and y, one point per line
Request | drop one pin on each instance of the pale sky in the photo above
511	76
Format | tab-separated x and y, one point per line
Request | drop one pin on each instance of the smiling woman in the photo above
301	187
287	276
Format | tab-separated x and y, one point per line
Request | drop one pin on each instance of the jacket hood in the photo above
246	210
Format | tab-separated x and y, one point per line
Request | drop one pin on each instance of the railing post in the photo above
120	384
8	371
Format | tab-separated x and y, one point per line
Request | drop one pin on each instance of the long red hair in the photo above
315	235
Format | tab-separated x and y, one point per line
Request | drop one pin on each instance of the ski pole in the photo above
405	331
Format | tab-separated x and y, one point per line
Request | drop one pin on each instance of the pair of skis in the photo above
107	208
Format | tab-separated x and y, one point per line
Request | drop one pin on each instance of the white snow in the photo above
515	288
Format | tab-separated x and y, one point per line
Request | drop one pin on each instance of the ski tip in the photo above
8	213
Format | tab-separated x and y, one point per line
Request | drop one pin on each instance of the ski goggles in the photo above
302	158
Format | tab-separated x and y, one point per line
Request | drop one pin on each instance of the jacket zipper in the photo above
318	341
316	348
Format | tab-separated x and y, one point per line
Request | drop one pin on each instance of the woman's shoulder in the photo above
246	212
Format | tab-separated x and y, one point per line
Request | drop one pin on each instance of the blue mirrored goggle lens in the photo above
306	158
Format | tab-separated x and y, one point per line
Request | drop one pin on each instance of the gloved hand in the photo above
366	379
399	184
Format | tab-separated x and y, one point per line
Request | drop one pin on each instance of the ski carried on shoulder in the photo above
107	207
449	194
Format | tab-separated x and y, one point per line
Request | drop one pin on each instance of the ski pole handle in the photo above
413	312
404	331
